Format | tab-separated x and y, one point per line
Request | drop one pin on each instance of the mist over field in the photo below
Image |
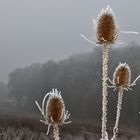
41	48
37	31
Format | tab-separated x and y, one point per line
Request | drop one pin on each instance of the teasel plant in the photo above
53	111
121	81
106	32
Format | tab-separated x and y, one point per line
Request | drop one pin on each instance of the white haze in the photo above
38	30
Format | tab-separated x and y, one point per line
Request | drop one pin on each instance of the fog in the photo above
41	49
39	30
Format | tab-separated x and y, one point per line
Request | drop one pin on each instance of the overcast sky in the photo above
39	30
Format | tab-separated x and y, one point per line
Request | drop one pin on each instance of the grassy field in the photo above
26	126
77	133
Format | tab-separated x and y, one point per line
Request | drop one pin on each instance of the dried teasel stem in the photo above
115	129
104	92
56	132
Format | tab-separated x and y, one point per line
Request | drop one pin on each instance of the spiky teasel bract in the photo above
53	111
121	81
106	30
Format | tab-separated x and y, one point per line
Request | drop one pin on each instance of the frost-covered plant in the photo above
121	81
106	34
106	31
53	111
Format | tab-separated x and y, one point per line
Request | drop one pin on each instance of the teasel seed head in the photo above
53	109
122	76
106	30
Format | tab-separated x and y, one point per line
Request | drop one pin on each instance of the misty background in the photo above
40	30
41	48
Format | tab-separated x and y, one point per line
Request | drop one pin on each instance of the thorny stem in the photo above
104	92
56	132
115	129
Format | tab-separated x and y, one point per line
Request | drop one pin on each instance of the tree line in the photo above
79	79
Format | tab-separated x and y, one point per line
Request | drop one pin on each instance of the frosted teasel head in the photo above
106	30
122	77
53	109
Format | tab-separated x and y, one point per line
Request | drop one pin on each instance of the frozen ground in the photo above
25	126
11	133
